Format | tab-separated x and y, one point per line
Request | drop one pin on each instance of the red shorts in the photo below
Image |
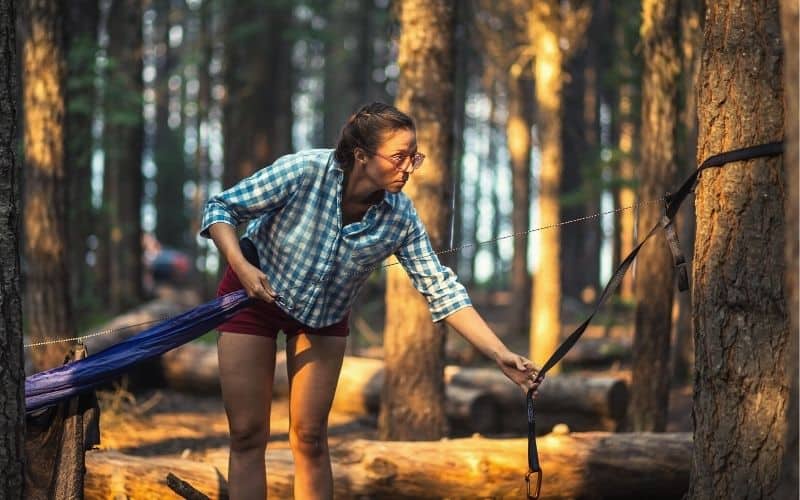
266	319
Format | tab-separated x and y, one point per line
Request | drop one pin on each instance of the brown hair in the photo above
365	128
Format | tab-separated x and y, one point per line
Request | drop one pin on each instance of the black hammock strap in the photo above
673	201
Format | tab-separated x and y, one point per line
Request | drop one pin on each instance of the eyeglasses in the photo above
398	160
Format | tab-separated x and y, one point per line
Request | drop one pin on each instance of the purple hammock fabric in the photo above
51	386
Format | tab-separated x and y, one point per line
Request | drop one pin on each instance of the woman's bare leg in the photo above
247	369
313	363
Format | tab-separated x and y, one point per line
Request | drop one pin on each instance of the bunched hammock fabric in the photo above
51	386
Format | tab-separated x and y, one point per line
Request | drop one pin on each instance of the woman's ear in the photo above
359	155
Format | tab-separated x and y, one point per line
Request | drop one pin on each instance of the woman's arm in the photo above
252	278
470	325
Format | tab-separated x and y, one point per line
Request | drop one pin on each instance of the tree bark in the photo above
740	318
790	18
654	280
124	137
590	465
12	401
544	34
47	301
412	404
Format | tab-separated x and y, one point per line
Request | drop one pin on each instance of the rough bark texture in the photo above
258	80
124	137
544	23
654	280
740	318
47	301
789	25
412	406
590	465
12	400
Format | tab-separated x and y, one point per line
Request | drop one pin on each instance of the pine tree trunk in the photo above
342	78
124	137
518	137
412	406
47	301
654	280
789	22
81	42
626	64
171	218
12	401
257	109
740	318
691	42
546	301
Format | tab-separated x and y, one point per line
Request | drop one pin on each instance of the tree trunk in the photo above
518	138
13	398
258	80
691	42
626	64
590	465
123	168
342	77
654	287
47	301
740	318
544	23
168	151
81	43
412	406
789	22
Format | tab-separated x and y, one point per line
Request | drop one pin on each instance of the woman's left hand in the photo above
520	370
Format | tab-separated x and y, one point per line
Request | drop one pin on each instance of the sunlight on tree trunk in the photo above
48	313
654	280
789	24
740	318
412	403
544	21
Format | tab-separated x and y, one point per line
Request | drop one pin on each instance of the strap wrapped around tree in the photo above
51	386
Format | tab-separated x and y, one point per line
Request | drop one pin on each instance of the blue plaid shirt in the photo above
316	266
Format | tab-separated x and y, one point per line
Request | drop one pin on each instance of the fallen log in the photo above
478	399
110	474
588	465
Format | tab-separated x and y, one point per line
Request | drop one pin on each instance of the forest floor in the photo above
168	423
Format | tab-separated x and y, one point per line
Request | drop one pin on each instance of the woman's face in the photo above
389	166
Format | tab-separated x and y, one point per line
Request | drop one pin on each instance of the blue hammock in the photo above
51	386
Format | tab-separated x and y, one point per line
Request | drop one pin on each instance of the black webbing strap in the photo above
673	203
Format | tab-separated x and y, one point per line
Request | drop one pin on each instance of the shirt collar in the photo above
388	198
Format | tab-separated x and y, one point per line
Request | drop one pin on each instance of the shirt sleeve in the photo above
263	193
437	283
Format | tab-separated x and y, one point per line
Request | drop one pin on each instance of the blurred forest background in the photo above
553	130
168	102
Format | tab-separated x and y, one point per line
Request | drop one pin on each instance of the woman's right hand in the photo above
255	282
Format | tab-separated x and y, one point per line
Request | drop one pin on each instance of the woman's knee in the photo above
308	440
249	435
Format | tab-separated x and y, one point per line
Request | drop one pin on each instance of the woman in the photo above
320	221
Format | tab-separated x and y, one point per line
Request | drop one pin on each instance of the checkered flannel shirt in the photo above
316	266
